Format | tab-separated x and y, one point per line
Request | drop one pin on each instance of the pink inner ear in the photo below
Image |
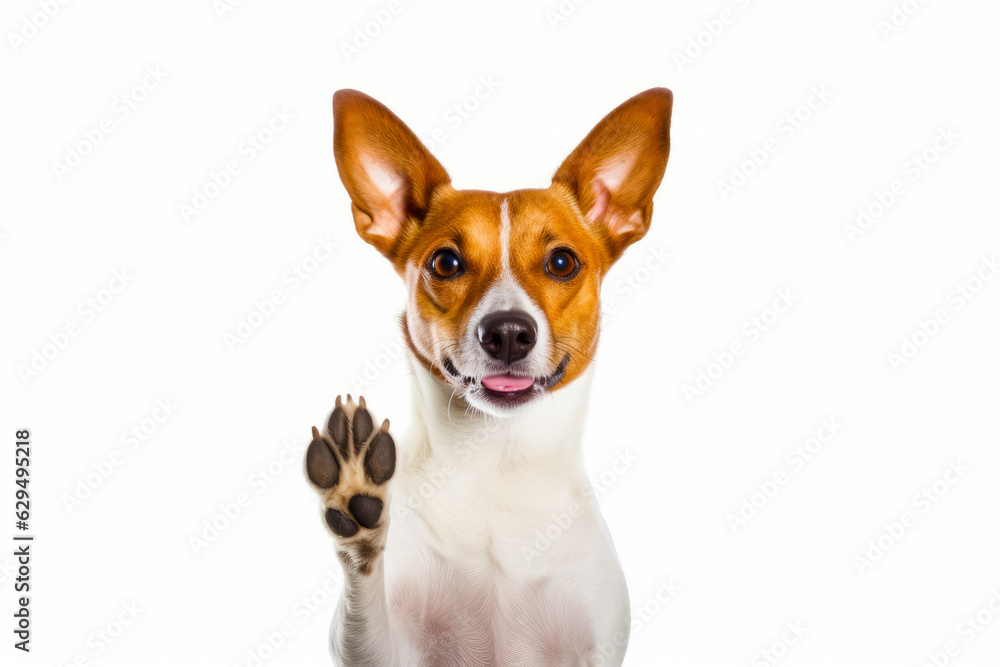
601	200
613	172
390	199
624	222
607	182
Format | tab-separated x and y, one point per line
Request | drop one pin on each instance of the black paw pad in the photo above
366	510
340	523
362	427
321	465
380	461
338	430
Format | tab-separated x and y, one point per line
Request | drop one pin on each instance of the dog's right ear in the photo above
389	175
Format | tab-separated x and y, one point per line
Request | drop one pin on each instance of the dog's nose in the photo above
508	335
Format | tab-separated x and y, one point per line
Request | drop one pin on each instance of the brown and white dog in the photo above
502	321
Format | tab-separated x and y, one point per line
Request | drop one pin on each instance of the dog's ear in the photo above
389	175
616	170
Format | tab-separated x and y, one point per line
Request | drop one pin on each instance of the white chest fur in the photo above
497	553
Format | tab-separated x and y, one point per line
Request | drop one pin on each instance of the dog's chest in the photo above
508	586
496	554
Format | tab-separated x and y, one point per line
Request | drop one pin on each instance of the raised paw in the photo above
350	463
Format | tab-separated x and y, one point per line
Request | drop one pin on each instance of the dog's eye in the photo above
445	263
562	264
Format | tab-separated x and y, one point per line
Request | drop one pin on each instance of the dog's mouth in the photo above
508	389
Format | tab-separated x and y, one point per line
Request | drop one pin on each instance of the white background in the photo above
855	298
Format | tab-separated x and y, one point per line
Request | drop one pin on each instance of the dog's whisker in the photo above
453	392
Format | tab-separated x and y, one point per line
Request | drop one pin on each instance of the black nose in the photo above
508	335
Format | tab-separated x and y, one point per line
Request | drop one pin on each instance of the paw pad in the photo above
340	523
350	464
365	509
321	464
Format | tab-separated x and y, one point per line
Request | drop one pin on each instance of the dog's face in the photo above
503	289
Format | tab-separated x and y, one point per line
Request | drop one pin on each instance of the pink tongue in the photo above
507	383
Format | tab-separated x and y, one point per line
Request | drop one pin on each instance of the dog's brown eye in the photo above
446	264
562	264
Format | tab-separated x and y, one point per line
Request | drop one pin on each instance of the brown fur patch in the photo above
360	555
600	201
541	221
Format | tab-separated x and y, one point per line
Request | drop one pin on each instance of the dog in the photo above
501	324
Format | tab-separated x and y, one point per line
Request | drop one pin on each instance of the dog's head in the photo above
503	289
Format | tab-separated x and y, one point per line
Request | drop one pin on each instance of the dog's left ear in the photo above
616	170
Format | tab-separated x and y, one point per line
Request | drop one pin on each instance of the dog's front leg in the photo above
350	464
360	633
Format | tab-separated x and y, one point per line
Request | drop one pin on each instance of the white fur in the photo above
497	553
505	237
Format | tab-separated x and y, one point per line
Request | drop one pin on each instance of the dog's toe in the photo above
321	464
380	459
